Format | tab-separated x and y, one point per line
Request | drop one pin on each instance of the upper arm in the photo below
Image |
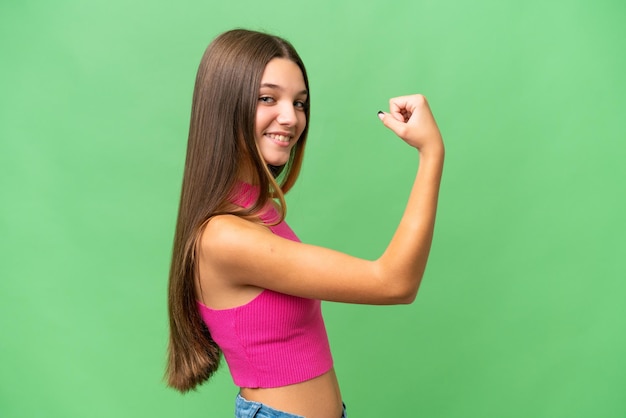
245	253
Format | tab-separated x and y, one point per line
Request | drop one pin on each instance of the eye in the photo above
266	99
300	104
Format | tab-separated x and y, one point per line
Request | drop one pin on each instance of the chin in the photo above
276	161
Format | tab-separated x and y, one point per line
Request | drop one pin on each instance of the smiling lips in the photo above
279	139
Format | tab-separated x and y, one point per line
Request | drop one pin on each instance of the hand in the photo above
411	119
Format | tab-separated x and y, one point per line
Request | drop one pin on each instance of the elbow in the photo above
407	297
403	292
399	285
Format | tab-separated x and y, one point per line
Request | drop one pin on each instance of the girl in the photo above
241	282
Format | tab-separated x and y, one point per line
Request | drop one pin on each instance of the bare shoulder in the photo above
221	225
224	241
235	251
229	232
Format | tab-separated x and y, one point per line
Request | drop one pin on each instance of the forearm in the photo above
403	263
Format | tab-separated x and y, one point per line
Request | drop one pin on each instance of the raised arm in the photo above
236	252
405	258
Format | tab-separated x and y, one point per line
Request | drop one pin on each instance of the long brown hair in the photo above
221	140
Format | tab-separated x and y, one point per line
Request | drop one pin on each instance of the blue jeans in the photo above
250	409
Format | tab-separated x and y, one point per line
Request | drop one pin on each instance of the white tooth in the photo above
281	138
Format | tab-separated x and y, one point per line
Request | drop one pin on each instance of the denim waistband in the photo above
251	409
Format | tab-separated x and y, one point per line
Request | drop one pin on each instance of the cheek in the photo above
302	122
263	118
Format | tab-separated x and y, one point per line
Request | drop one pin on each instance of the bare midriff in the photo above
316	398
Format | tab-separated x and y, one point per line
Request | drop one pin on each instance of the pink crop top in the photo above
275	339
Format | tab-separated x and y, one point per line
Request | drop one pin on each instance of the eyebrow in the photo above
277	87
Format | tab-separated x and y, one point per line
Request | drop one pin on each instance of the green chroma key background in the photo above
522	312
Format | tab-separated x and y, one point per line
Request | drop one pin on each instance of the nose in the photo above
286	114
